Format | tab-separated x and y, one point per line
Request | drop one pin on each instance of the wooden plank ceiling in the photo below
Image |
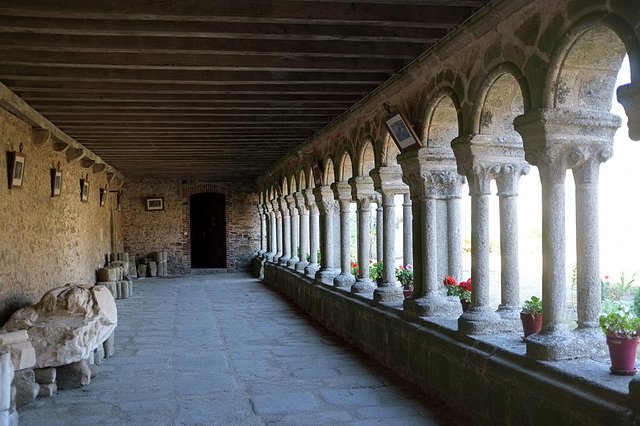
208	89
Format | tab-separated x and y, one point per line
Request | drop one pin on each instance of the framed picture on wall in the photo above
16	170
317	173
56	182
402	132
84	190
155	204
103	195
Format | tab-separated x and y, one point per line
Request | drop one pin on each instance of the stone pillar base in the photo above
486	321
301	265
283	260
392	293
559	345
325	276
363	285
433	305
344	280
291	263
311	270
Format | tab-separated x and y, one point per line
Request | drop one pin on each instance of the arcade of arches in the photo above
525	85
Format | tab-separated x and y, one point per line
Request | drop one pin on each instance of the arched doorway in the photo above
208	231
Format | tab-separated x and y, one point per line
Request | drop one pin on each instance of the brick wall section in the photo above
169	230
47	242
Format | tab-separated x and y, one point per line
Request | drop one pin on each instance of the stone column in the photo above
304	231
430	173
272	232
278	213
314	234
362	191
342	192
379	231
483	158
556	140
295	231
286	232
388	182
507	182
407	225
629	97
263	231
328	207
454	237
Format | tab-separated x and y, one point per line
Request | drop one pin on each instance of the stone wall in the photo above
169	229
46	242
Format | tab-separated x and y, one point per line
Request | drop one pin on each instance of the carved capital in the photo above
629	97
388	180
327	204
301	203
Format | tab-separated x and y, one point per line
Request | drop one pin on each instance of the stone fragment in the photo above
26	387
45	376
74	375
153	269
67	324
99	354
47	390
142	270
123	289
23	354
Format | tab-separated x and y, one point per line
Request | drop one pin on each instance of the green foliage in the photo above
375	269
405	276
619	290
621	321
532	306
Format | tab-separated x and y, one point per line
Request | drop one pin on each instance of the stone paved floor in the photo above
225	349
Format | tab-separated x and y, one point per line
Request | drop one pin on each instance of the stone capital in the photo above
431	173
310	199
342	191
629	97
291	203
325	199
301	203
388	180
283	206
362	189
560	139
275	206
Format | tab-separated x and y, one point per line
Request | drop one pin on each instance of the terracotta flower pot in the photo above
531	325
622	351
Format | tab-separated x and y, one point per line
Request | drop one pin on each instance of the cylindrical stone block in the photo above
113	257
6	377
111	286
107	274
157	256
130	285
165	256
118	290
124	289
108	346
153	269
125	256
166	268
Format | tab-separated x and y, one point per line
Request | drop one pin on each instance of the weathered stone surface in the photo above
111	286
45	376
47	390
26	387
110	273
153	269
67	324
142	270
74	375
99	354
108	346
23	355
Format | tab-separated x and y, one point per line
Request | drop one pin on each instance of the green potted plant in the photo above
621	327
375	271
531	316
405	276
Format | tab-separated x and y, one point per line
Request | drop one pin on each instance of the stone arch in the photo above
503	95
292	184
328	174
443	119
345	168
284	185
366	160
302	180
389	152
586	62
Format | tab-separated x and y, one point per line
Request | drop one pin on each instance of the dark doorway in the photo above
208	231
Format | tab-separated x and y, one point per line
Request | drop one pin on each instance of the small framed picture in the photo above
317	173
16	172
402	132
56	182
84	188
155	204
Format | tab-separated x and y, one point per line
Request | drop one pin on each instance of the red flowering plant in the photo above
461	289
355	269
405	276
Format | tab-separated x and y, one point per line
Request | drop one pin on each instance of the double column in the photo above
388	182
303	211
272	240
286	232
362	191
295	231
431	175
263	231
342	192
328	208
556	140
314	233
483	158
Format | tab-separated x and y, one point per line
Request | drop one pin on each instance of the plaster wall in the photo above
46	242
169	230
